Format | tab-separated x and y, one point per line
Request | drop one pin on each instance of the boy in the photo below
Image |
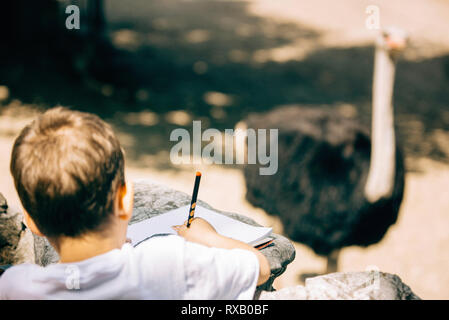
68	169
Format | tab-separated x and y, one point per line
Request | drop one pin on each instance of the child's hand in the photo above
199	230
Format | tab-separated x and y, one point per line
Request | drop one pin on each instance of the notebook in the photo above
161	225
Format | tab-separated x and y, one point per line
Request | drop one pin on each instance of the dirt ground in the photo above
417	247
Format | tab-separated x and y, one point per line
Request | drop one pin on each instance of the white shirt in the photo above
159	268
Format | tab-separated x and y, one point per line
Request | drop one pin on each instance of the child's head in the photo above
68	169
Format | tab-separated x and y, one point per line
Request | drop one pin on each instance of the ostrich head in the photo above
393	40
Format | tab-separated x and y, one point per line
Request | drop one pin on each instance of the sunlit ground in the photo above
217	61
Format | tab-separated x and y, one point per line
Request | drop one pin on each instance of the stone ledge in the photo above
16	246
368	285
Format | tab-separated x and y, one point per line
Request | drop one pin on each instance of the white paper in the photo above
162	224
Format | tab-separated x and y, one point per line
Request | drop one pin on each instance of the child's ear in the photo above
31	225
125	201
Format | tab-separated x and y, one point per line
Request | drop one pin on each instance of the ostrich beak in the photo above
396	44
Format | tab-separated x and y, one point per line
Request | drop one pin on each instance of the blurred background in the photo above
150	66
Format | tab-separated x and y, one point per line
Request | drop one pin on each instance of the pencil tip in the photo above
198	173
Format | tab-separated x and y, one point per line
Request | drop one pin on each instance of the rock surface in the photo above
16	246
368	285
16	241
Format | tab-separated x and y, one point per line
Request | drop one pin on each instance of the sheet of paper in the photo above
224	225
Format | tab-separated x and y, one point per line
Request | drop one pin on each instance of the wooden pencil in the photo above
194	196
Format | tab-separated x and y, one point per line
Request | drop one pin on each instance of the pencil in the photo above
194	196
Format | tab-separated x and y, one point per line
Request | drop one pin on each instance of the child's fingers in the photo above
185	222
177	228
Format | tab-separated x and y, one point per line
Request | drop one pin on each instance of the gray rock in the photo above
151	199
3	204
16	241
368	285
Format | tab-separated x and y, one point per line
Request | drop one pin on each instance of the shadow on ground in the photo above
211	61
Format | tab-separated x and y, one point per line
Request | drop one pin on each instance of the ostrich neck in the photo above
381	175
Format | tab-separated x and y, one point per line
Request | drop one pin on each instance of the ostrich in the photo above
335	187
